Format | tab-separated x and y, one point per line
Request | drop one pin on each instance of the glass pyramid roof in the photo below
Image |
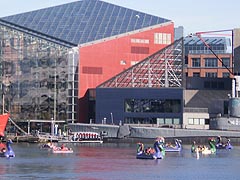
84	21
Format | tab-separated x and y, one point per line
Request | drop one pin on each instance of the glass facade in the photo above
39	77
154	108
193	45
154	121
153	105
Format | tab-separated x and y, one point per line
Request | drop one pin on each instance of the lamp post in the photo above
52	126
112	117
6	85
53	119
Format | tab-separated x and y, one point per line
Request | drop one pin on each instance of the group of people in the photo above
199	148
214	144
158	144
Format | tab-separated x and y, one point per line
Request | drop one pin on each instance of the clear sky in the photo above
194	16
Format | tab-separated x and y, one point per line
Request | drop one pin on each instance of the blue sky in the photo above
194	16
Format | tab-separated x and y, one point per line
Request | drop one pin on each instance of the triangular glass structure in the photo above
162	69
84	21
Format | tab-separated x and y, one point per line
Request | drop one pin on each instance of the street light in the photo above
52	126
111	117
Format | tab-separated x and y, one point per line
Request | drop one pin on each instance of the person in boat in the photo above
2	145
220	144
159	146
170	145
193	147
3	150
149	151
219	141
62	146
140	148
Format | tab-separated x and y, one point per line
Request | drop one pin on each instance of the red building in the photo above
101	60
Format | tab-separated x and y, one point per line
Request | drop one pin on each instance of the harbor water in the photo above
116	161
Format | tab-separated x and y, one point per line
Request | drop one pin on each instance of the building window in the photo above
176	121
152	105
211	62
211	74
140	50
139	120
140	41
162	38
196	74
225	75
190	121
160	121
196	62
202	121
225	62
92	70
168	120
196	121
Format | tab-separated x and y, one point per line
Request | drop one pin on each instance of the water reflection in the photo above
116	161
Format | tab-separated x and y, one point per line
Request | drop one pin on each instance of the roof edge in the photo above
36	33
125	34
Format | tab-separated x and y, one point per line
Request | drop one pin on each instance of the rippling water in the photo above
114	161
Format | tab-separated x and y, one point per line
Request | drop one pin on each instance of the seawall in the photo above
134	133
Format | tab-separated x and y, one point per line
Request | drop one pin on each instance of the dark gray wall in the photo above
111	100
199	83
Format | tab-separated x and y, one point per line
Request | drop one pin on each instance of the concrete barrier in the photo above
115	131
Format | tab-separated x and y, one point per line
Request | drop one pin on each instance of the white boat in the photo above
83	137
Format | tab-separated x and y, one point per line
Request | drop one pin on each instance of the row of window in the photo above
212	74
210	62
157	121
162	38
197	121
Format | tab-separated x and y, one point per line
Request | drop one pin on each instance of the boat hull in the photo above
3	122
176	148
220	146
149	156
62	152
168	149
81	141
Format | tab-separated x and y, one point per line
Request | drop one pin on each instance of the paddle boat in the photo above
157	152
176	148
62	149
222	145
203	149
8	151
48	145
